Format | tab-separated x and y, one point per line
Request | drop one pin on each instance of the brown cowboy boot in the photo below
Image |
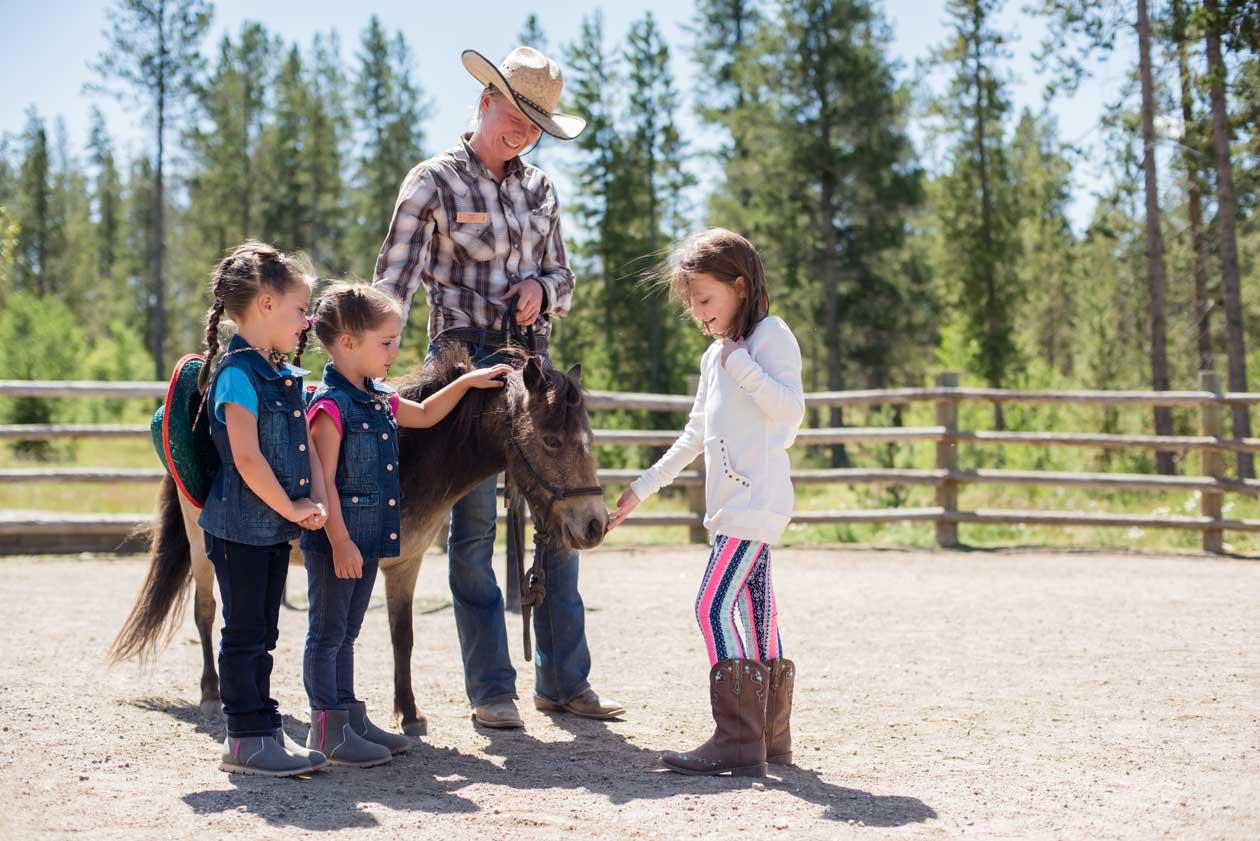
779	712
737	691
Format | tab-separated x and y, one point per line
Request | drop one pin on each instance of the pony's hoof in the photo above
416	729
212	709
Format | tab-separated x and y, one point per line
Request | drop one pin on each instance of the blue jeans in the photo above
562	662
251	586
337	606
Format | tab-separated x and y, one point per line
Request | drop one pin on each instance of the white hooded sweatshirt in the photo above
746	414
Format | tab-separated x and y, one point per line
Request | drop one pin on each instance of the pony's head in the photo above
550	453
536	426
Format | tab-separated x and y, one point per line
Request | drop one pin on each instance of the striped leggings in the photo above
738	577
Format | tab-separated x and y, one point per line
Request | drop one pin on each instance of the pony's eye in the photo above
552	442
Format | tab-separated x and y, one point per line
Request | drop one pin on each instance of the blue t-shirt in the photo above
234	386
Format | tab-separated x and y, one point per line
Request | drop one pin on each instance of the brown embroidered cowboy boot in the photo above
737	691
779	712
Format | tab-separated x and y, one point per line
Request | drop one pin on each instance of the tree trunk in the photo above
1194	192
1155	280
986	222
831	245
655	338
159	210
739	13
1226	221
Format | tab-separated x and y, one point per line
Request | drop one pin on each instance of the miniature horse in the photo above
536	427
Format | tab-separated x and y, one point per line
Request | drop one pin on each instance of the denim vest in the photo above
367	468
233	511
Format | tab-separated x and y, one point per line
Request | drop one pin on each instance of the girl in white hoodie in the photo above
747	410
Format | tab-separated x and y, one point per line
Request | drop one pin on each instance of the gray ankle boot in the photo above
332	735
260	755
396	742
314	757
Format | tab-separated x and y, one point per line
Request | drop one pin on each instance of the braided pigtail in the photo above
212	344
301	347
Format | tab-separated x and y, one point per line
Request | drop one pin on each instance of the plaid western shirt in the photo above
468	238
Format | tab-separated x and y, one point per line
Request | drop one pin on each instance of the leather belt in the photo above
485	337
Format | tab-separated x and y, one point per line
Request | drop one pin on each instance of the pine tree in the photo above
137	241
1216	24
324	156
390	109
227	185
287	186
8	225
725	33
153	52
1092	28
655	164
1192	152
978	205
1047	269
599	177
72	236
819	173
1155	269
33	207
106	198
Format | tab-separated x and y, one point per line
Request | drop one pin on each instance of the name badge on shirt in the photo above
468	217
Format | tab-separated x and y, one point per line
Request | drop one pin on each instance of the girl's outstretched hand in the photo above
487	377
628	502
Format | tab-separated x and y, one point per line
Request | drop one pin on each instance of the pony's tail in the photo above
159	608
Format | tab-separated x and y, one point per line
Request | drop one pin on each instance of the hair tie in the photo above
310	322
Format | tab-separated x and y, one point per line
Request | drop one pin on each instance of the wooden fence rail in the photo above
946	477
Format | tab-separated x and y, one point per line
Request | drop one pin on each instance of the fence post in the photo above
1213	461
947	459
695	493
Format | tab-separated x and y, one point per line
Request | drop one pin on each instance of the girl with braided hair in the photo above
269	488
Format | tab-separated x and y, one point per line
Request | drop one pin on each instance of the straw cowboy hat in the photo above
533	83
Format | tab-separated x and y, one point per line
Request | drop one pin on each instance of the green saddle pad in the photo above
181	434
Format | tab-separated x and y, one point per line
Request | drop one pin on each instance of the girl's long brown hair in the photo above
725	256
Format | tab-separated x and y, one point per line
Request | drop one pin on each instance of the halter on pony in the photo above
533	583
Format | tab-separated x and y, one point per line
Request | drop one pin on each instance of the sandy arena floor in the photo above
1013	694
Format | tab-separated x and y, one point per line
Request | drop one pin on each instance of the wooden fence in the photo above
21	530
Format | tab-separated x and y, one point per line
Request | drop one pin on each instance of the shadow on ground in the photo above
430	779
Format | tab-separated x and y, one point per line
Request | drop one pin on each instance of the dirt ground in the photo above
1011	694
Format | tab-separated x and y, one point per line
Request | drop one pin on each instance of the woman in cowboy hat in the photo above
480	231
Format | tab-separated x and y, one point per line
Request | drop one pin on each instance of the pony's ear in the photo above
535	379
575	374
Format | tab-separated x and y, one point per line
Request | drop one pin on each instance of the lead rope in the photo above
532	583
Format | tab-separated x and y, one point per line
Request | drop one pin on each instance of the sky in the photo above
46	48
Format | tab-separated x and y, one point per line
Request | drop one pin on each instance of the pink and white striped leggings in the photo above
738	577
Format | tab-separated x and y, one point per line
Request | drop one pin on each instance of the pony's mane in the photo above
565	406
